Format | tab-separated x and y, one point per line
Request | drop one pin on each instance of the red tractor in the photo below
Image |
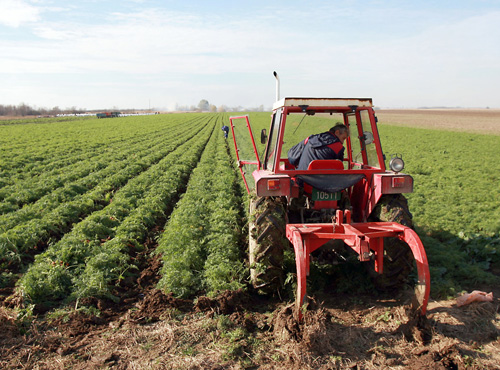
355	203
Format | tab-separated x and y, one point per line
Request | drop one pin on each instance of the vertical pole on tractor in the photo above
277	85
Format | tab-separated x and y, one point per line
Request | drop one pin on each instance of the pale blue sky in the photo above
139	53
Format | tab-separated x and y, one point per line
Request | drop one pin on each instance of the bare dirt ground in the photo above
163	333
238	330
481	121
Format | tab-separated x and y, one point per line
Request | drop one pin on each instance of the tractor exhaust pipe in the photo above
277	85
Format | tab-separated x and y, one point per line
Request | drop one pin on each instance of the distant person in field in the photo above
226	130
327	145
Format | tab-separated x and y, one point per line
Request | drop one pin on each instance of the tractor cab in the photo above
361	178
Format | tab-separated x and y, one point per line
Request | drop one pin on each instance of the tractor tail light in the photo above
398	182
273	184
269	184
390	183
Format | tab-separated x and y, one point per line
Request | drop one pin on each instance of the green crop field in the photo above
123	241
81	200
455	203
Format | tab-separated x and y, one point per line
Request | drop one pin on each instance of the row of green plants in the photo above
23	120
34	156
201	246
53	190
98	252
40	222
30	149
33	184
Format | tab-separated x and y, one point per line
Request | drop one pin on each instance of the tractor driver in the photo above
327	145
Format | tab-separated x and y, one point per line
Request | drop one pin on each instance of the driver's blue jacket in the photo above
321	146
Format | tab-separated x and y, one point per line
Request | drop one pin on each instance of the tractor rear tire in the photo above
267	241
398	257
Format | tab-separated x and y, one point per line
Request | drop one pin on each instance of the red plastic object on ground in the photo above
474	296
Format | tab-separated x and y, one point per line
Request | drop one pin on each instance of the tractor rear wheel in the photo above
267	240
398	257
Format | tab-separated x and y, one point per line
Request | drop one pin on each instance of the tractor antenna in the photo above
277	85
296	128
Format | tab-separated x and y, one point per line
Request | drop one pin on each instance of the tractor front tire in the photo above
398	257
267	240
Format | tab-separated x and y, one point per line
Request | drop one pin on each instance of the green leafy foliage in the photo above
454	203
53	214
200	246
97	251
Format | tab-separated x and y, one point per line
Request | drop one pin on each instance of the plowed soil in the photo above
480	121
239	330
147	329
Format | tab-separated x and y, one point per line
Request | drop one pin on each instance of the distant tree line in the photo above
205	106
22	110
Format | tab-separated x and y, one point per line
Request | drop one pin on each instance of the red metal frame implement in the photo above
241	162
364	238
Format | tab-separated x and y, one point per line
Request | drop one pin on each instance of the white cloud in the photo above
13	13
172	53
151	41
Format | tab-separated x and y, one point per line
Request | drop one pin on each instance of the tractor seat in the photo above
326	164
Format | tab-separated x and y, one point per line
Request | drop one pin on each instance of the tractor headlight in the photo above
396	164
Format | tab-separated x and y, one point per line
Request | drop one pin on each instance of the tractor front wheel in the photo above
267	240
398	257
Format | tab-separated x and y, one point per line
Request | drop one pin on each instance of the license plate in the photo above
324	195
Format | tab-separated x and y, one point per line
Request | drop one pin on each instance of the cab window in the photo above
367	140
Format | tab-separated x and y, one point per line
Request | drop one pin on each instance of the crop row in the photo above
38	171
52	144
98	251
55	213
201	244
99	182
80	174
24	159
